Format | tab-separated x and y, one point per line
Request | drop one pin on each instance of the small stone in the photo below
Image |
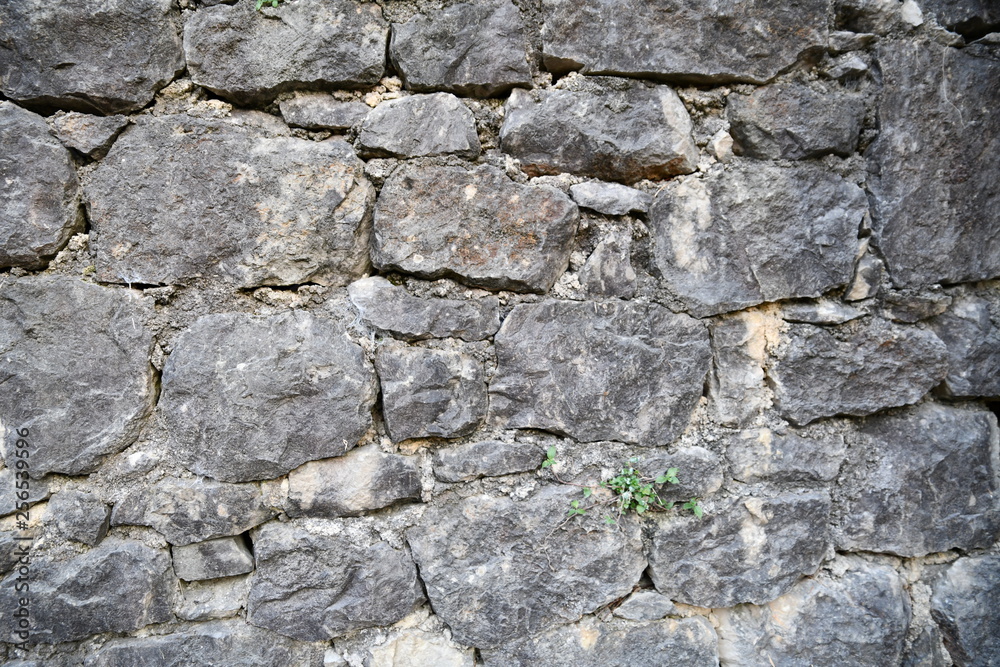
913	307
966	606
212	599
80	516
820	311
645	606
610	198
845	67
608	271
419	126
91	135
721	146
911	14
843	41
970	329
320	111
485	459
760	454
38	490
868	274
736	383
212	559
420	649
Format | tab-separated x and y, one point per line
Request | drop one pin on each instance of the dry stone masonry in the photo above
323	322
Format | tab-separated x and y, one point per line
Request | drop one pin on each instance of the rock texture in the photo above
645	605
320	111
966	606
485	459
419	126
610	198
80	516
761	454
90	135
972	18
970	329
221	557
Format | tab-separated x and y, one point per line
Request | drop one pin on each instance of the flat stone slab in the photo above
610	198
212	559
489	458
599	371
320	111
966	606
419	126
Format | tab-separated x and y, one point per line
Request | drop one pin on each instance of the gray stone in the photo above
316	580
430	393
40	200
736	383
794	121
31	490
966	606
927	650
610	198
608	271
796	456
476	226
80	516
868	274
820	311
846	67
699	472
608	129
858	619
319	111
392	309
972	18
249	57
681	40
756	232
69	55
361	480
12	549
74	362
467	48
117	586
936	201
249	398
599	371
853	369
91	135
491	458
751	551
212	559
419	126
928	483
687	642
497	570
413	648
212	599
180	197
970	329
909	307
645	605
192	510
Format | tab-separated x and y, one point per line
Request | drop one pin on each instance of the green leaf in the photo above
672	472
551	452
661	479
575	504
260	3
640	509
587	491
608	520
698	511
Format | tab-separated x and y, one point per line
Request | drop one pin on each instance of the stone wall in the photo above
296	303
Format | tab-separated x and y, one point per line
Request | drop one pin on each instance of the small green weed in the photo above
261	3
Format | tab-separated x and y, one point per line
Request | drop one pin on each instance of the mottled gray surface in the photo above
491	458
737	377
909	307
319	111
599	371
610	198
212	599
820	311
645	605
608	271
972	18
966	606
221	557
36	489
91	135
794	456
419	126
79	515
699	472
970	329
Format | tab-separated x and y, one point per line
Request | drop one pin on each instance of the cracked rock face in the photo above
419	126
970	329
966	606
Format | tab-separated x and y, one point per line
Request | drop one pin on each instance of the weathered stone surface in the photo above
80	516
970	329
752	551
972	18
681	40
249	57
699	472
645	605
192	510
608	129
858	619
70	55
318	579
795	121
250	398
599	371
179	197
688	642
212	599
11	550
495	571
468	48
118	586
420	649
319	111
491	458
419	126
476	226
936	202
856	369
608	271
966	606
74	363
37	489
610	198
910	307
390	308
756	232
761	454
820	311
430	393
361	480
40	200
212	559
91	135
928	483
735	385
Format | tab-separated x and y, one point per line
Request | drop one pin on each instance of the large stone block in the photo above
599	371
212	559
419	126
970	329
966	606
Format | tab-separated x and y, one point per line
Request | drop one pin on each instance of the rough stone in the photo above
179	197
608	271
858	619
118	586
419	126
315	582
608	129
795	122
80	516
972	18
681	40
735	385
248	57
936	201
10	550
645	605
91	135
392	309
687	642
599	371
856	369
361	480
820	311
966	606
319	111
430	393
796	456
497	570
40	200
192	510
751	551
37	490
250	398
76	373
756	232
970	329
610	198
476	226
70	55
909	307
928	483
491	458
699	472
467	48
212	599
212	559
420	649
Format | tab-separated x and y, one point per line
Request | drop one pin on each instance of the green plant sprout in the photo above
261	3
